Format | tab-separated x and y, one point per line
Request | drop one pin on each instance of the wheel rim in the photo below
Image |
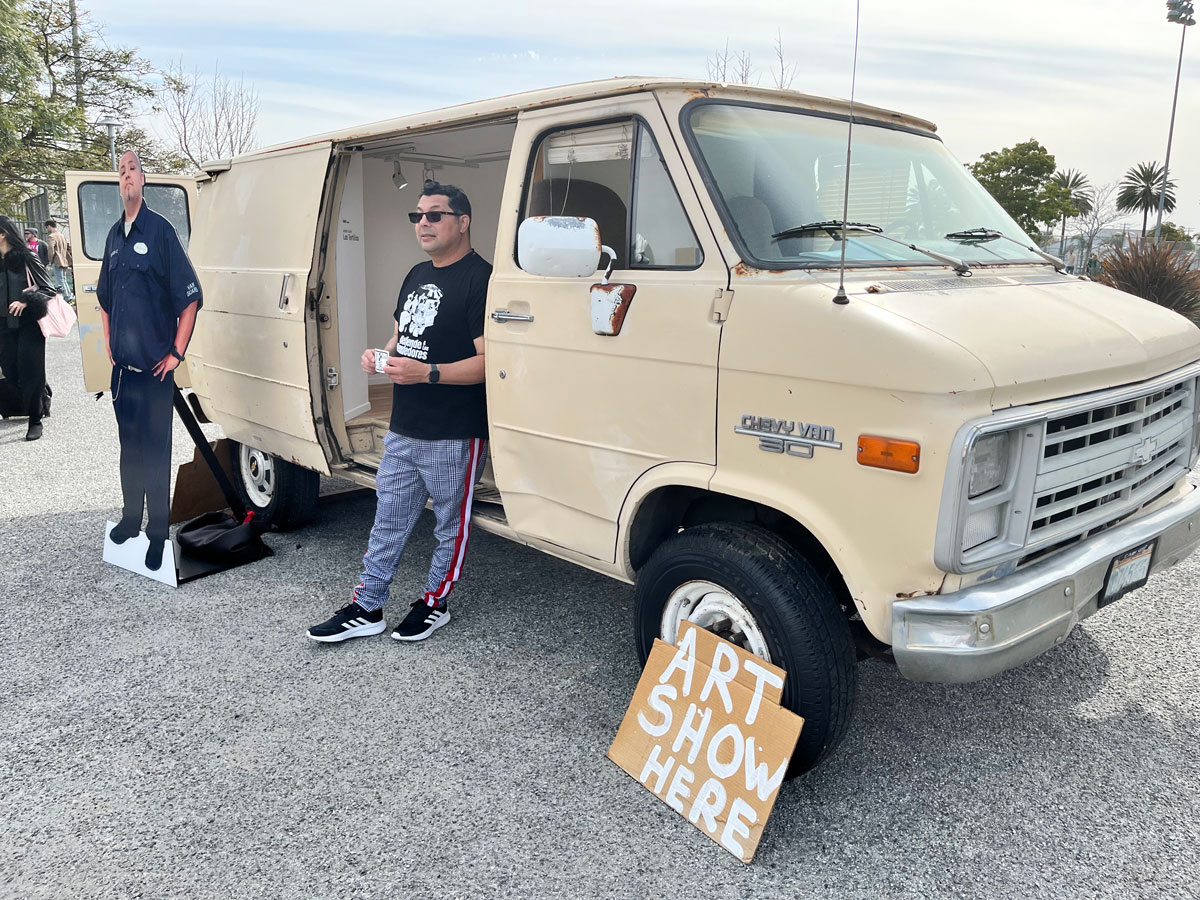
258	476
714	609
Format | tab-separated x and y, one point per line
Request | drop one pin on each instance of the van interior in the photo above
374	248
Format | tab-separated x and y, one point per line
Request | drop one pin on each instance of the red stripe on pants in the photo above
454	570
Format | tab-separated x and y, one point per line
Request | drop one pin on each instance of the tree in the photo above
786	73
730	69
1018	178
1101	213
211	118
43	129
1077	190
1140	190
1174	234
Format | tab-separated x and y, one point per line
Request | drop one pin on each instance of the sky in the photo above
1092	80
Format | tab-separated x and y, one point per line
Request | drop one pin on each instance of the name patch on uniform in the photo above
192	289
139	247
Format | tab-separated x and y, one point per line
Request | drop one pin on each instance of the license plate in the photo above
1127	572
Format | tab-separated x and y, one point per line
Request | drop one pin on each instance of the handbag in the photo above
59	318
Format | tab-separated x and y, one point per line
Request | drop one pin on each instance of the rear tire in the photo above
750	586
281	494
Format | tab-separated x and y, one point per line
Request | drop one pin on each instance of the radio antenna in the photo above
840	297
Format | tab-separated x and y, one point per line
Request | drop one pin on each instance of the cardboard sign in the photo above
706	735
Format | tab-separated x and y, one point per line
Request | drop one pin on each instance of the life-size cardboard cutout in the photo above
149	296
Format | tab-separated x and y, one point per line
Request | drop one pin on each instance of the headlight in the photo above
988	464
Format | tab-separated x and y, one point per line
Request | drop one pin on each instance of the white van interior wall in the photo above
351	291
391	247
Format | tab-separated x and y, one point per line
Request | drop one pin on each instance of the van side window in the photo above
662	235
100	206
614	174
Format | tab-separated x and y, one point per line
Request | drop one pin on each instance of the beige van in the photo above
950	466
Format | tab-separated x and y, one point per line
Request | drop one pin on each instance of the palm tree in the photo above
1079	195
1140	189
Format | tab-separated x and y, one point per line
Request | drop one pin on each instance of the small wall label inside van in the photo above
787	436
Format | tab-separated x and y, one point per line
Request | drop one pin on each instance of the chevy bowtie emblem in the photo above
1145	451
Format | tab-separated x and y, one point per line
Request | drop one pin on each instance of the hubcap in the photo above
258	475
714	609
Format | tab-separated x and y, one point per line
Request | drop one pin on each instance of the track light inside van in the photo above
398	178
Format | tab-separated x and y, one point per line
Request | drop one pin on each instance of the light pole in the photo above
1179	12
111	124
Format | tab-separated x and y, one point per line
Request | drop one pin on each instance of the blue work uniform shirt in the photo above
146	281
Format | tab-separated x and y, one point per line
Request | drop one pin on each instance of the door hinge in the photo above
331	378
722	297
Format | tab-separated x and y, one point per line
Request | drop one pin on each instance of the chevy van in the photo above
950	466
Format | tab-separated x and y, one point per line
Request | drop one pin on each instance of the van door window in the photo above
100	206
662	235
614	174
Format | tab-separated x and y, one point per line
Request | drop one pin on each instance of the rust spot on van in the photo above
910	594
610	305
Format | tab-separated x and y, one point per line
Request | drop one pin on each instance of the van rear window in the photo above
100	206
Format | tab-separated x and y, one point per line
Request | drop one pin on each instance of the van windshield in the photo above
772	169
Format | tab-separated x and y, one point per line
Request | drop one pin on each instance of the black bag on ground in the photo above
219	537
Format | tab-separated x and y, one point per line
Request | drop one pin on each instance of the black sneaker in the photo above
350	621
422	621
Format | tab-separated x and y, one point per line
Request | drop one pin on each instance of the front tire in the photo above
751	587
281	494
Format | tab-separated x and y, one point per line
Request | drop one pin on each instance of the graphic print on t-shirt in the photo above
420	310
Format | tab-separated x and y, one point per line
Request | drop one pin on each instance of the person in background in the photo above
25	291
39	248
60	259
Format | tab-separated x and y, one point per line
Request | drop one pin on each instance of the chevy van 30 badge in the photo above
784	436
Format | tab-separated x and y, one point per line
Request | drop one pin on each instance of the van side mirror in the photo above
561	246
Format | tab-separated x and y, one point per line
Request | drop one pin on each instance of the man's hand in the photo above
16	308
368	361
402	370
167	364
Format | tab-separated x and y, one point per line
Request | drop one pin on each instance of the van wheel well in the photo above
673	509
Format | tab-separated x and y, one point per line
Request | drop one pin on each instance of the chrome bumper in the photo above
993	626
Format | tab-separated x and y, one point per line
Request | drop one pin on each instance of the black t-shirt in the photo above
440	313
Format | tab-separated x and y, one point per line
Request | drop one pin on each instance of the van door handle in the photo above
89	289
503	315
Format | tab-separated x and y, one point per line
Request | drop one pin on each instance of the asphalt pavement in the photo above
192	743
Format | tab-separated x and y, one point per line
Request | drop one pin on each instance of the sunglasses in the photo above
433	216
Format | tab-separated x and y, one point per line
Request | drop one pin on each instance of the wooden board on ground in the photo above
196	490
706	735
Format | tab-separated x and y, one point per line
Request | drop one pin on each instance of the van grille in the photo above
1103	463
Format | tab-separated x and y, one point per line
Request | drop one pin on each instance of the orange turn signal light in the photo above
889	453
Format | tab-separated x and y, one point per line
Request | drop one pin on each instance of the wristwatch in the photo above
175	353
434	374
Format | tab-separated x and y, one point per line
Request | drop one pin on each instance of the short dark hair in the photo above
458	200
50	223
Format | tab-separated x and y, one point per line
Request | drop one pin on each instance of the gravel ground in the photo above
160	743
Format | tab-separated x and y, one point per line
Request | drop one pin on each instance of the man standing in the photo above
39	248
149	296
436	439
60	259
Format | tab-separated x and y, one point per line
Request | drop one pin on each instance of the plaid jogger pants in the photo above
411	472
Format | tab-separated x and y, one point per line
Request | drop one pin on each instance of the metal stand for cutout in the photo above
188	567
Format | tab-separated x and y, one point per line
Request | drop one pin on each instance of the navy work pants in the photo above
143	405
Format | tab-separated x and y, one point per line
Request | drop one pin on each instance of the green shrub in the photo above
1158	273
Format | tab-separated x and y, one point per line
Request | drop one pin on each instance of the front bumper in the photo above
987	628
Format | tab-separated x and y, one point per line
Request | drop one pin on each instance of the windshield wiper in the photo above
983	235
834	230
